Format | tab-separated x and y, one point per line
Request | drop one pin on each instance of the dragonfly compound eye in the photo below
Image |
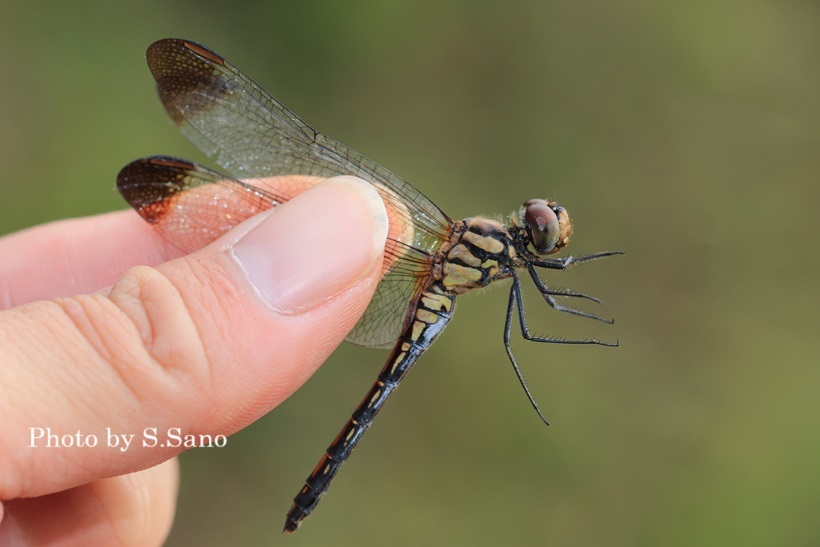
548	225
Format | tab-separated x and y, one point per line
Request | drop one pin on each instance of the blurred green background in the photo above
686	134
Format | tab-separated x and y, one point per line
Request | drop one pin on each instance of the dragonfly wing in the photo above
253	135
191	206
384	318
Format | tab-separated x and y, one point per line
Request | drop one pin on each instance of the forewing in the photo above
254	136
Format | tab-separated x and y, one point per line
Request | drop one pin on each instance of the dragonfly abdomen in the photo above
433	308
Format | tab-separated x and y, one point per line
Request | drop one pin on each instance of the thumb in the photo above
204	344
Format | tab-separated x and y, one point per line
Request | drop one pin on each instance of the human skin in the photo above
104	325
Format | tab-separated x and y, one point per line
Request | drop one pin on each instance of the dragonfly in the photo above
272	155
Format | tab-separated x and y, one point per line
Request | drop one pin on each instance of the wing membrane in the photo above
191	206
253	135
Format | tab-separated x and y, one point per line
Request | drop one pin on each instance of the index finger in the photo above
76	256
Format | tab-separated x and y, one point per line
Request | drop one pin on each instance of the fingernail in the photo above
314	246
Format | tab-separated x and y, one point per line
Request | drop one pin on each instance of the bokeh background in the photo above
685	134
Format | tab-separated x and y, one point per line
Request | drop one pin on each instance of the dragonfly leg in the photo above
434	308
515	296
564	263
548	294
517	301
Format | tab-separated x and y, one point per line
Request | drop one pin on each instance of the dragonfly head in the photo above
546	224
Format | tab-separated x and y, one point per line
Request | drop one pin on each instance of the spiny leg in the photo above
568	293
548	294
517	301
563	263
525	331
515	297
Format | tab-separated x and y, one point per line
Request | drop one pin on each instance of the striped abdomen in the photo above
434	308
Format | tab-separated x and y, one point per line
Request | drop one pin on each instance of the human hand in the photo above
206	343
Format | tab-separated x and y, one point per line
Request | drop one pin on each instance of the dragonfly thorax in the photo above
480	251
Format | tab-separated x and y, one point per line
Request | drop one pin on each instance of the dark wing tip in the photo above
147	184
150	170
179	46
184	72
